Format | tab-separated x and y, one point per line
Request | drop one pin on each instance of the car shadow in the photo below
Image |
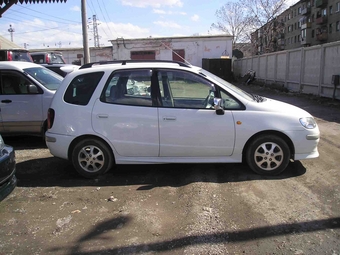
51	171
25	142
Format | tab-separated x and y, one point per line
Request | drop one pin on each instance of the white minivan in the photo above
150	112
26	92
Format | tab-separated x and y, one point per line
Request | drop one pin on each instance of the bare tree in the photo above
231	19
264	15
243	18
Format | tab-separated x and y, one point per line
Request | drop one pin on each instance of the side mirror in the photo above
32	89
218	106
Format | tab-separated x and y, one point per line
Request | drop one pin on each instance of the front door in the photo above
20	111
188	123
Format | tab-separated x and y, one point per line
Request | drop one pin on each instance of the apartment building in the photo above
307	23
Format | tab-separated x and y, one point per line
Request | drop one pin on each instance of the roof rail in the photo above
124	62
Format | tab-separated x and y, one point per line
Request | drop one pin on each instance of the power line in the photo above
105	19
78	22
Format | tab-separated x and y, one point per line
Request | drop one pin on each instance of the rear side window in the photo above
81	88
129	87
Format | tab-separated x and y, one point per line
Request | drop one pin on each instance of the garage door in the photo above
145	55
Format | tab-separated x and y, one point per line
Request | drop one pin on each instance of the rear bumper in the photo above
58	144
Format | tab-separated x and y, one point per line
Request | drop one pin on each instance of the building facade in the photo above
307	23
190	49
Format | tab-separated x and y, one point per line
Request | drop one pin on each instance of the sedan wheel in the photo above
268	155
91	158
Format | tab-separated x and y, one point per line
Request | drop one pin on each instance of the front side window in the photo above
229	102
180	89
129	87
13	83
46	77
81	88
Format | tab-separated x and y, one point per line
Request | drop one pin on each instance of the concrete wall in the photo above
305	70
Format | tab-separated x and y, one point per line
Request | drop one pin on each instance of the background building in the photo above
307	23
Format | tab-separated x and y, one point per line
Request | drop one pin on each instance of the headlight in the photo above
308	122
2	143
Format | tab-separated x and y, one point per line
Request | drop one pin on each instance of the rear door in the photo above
125	114
21	112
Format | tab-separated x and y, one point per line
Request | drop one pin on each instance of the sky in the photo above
58	25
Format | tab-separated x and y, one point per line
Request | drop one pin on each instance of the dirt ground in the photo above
178	209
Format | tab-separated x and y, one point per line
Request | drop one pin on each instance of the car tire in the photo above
268	155
91	158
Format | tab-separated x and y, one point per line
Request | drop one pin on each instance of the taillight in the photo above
9	56
50	118
48	58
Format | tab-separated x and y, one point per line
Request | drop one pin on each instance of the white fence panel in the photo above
307	70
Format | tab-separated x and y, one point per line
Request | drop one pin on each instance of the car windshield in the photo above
48	78
232	87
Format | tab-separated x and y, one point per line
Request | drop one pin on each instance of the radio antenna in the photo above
187	62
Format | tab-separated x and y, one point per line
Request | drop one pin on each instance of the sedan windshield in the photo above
48	78
232	87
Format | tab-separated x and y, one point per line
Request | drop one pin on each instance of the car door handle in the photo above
6	101
102	116
169	118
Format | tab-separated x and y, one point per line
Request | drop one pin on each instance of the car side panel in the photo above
21	113
132	130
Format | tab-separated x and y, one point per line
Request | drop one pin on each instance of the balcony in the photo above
322	37
321	20
305	11
307	40
320	3
306	25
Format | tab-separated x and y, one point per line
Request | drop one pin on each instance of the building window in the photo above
313	33
337	26
330	28
299	38
324	12
330	10
313	17
299	10
337	8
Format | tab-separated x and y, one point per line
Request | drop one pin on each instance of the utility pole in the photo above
85	34
95	32
11	31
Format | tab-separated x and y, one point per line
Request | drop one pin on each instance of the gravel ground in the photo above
178	209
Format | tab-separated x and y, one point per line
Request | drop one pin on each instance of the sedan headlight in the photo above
2	145
308	122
